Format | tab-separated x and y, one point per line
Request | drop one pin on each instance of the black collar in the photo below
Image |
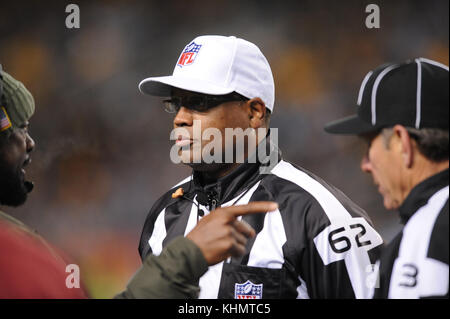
420	194
237	181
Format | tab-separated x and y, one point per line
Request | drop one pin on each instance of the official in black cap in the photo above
402	113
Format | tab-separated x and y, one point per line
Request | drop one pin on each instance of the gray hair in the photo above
431	142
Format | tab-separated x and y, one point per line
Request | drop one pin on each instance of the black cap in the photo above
412	94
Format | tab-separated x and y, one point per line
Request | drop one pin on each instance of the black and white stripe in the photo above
418	93
414	274
375	90
416	263
384	72
291	253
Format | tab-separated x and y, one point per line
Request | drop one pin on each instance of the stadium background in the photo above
102	148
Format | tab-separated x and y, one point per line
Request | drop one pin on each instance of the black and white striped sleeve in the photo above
338	255
339	242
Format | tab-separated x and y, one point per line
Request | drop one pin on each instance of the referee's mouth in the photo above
183	141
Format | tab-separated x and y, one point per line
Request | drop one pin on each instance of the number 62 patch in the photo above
338	239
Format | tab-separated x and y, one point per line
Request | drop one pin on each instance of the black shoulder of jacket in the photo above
301	198
162	202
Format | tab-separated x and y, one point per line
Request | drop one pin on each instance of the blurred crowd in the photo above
102	148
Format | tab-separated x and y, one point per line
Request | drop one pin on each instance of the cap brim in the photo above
351	125
162	86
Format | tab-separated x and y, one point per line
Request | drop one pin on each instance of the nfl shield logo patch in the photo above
189	54
248	290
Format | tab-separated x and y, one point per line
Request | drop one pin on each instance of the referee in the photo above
317	244
403	115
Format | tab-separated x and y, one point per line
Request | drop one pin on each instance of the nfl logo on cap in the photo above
189	54
217	65
248	290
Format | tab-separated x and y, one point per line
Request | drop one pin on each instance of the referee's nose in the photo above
183	117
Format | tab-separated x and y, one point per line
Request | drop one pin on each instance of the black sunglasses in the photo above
200	103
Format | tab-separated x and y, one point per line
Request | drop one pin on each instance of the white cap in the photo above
218	65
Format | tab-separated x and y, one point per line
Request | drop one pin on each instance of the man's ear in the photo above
257	112
406	145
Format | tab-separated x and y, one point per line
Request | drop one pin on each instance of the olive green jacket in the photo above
174	274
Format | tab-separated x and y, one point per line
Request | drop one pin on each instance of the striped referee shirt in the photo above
318	244
415	263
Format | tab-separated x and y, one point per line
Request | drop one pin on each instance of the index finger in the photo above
251	208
